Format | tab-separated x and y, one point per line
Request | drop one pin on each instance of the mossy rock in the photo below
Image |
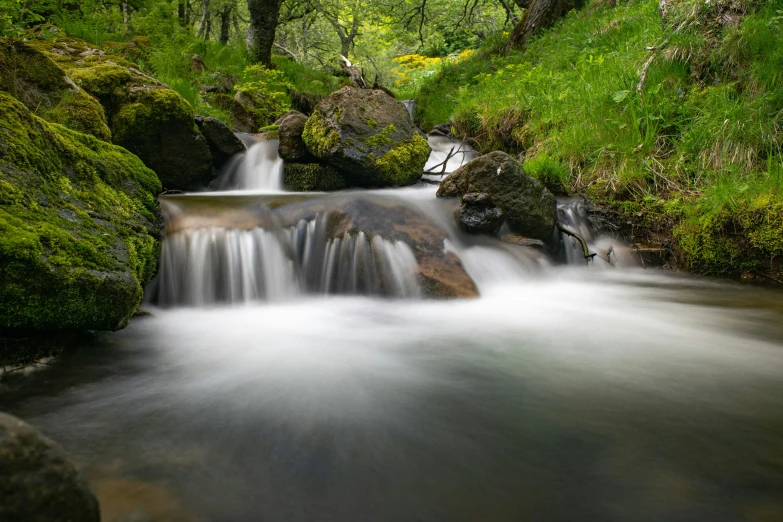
144	115
79	227
243	119
307	177
34	79
367	135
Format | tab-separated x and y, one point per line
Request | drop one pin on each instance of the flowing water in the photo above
286	373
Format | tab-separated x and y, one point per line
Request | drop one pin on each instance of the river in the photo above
562	393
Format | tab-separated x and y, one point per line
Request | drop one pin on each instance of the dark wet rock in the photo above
209	89
442	129
523	241
306	177
440	272
530	208
222	142
292	147
368	136
38	483
478	215
79	227
145	116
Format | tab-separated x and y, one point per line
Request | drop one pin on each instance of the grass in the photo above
699	145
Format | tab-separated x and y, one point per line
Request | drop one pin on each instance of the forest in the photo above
391	260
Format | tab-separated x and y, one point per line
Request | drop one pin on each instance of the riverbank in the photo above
673	126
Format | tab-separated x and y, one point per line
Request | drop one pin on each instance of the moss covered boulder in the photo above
34	79
79	227
368	136
144	115
530	208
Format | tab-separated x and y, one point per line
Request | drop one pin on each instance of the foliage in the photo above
700	144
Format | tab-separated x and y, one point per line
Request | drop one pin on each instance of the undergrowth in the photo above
698	143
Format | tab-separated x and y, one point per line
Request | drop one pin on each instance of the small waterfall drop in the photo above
214	265
606	251
259	169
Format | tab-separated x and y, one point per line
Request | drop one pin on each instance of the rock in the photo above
31	77
440	271
38	482
242	119
528	206
478	215
442	129
292	147
306	177
197	64
145	116
209	89
523	241
221	141
306	102
368	136
79	227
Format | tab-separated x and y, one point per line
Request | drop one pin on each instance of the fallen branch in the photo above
585	249
771	278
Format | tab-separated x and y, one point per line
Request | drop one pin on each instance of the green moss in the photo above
404	164
134	120
372	123
31	77
319	136
383	138
306	177
108	83
79	226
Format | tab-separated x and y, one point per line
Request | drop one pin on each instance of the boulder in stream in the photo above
38	482
368	136
222	142
79	227
292	146
530	208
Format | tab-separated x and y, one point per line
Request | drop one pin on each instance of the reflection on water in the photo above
615	398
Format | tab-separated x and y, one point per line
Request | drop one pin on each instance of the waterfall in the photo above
446	150
213	265
259	169
609	252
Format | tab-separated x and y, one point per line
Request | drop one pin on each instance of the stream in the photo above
284	375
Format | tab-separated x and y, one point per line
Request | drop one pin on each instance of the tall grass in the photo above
702	140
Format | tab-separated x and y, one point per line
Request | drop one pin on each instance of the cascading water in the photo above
211	265
259	169
603	251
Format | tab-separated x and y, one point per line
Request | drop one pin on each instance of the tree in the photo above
346	25
541	14
264	17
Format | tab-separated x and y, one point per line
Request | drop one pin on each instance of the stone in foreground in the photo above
530	208
38	483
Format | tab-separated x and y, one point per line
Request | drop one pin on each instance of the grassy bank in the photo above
698	145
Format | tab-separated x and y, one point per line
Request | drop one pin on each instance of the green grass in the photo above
700	145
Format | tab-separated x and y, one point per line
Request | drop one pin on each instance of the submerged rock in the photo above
478	215
38	482
144	115
79	227
530	208
222	142
368	136
440	272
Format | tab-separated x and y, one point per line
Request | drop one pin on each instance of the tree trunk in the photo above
181	14
225	25
541	14
202	26
125	14
261	33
